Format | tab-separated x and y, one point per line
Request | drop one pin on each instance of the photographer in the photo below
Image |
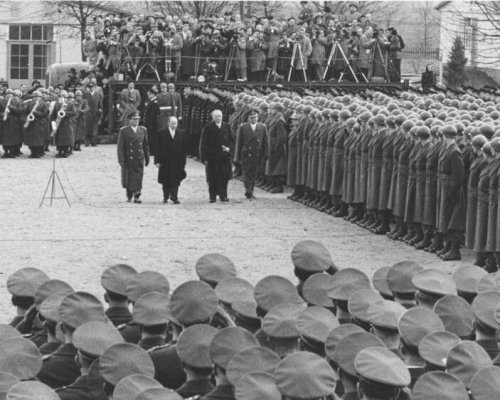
171	54
380	54
395	48
188	53
303	51
219	54
318	55
239	41
257	58
365	58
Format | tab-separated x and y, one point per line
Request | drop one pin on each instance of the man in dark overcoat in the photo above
170	158
252	145
276	166
95	102
151	119
133	154
215	153
11	124
63	124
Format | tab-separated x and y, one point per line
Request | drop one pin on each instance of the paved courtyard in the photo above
100	229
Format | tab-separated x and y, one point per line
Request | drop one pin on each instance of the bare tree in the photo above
264	8
197	9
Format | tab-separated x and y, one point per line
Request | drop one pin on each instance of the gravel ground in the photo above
100	229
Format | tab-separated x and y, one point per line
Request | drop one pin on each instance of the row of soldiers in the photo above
63	118
408	333
425	162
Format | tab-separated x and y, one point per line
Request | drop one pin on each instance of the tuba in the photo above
31	115
7	111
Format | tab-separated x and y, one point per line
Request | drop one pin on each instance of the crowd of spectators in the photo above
165	47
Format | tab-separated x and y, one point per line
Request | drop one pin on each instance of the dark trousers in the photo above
249	184
170	192
217	187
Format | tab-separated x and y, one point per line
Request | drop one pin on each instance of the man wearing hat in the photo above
82	108
451	198
276	165
94	99
252	145
11	132
35	126
133	154
63	124
215	153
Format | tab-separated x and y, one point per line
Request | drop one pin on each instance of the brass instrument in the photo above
7	111
60	115
31	115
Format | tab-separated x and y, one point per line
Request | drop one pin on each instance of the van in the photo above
58	73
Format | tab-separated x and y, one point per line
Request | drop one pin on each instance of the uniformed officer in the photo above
213	268
434	349
465	360
456	314
31	390
256	386
34	128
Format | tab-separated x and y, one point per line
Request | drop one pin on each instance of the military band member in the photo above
35	126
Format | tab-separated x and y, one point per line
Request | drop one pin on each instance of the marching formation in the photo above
409	333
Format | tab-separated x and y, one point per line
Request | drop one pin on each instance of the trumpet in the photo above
7	111
31	115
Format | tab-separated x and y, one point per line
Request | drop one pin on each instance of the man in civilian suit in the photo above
170	158
215	153
252	146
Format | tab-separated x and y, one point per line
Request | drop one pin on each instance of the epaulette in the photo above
163	346
121	327
46	357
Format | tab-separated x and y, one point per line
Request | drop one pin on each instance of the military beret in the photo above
25	281
311	256
304	375
32	390
338	334
485	384
380	365
49	308
95	337
6	382
359	302
281	321
50	287
416	323
116	278
399	277
146	282
158	393
228	342
483	307
274	290
465	359
245	308
315	289
193	302
131	386
345	282
124	359
8	332
349	346
20	357
152	309
379	282
435	346
230	290
256	386
385	314
194	344
434	282
316	323
80	307
467	277
214	267
252	359
456	314
439	385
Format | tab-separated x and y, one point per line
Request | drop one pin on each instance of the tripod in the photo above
336	46
232	50
271	71
52	184
294	52
378	51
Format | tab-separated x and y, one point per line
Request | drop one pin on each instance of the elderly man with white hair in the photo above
215	153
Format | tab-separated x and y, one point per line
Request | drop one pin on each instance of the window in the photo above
31	32
469	27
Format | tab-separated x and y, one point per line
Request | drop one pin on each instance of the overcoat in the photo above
493	207
328	168
365	51
401	181
278	157
251	148
359	182
375	168
171	155
350	176
82	108
211	142
188	53
12	128
476	167
291	176
483	186
133	153
349	139
151	121
313	164
420	180
386	172
364	170
452	199
398	142
65	135
322	146
411	185
35	134
341	135
431	165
